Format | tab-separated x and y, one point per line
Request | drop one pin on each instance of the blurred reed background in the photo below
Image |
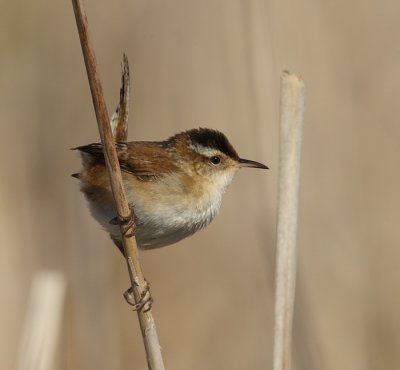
216	64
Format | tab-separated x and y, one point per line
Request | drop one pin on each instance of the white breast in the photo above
168	220
165	219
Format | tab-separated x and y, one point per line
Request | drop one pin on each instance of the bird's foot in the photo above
127	223
145	301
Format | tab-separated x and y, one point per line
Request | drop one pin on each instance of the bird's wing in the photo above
147	161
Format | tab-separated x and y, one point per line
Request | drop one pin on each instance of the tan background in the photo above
215	64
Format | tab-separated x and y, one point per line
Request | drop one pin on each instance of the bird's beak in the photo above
251	164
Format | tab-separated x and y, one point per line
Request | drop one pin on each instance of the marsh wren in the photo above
174	186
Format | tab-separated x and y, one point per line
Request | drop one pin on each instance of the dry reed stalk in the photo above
147	324
291	126
42	324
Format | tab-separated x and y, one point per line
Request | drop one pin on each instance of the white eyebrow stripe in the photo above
203	150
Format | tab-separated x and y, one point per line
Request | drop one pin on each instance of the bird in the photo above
174	187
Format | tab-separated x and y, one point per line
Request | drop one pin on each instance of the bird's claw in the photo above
127	223
145	301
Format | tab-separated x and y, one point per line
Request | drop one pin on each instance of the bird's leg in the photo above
145	301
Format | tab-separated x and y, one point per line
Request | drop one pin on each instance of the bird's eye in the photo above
215	160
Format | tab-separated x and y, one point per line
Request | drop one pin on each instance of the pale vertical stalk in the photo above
291	126
42	323
146	320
